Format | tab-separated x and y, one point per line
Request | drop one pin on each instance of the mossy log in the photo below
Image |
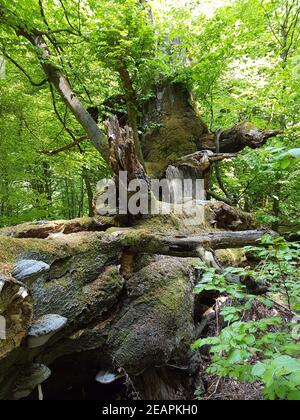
118	316
128	307
43	229
127	294
189	246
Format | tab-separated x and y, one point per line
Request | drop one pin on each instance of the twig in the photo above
66	147
216	389
37	84
40	392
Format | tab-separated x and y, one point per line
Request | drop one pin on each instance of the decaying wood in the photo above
123	156
107	295
44	229
207	317
221	240
202	162
16	313
203	159
189	246
238	137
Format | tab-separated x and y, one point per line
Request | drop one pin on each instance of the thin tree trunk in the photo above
81	200
89	191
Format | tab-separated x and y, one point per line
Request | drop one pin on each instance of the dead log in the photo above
238	137
130	313
189	246
201	160
44	229
220	240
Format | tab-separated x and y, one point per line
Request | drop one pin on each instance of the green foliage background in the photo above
233	59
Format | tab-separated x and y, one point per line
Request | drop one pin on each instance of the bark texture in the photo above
174	127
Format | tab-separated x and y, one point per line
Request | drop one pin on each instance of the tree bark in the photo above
124	159
15	313
203	163
62	85
132	111
122	152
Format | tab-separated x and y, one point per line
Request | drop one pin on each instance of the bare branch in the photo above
67	17
66	147
43	14
36	84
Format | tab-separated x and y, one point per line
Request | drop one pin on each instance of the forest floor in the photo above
222	389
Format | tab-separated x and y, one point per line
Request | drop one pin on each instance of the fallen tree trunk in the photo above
44	229
128	306
189	246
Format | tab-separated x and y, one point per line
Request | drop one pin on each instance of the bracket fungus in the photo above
32	377
27	269
44	328
107	378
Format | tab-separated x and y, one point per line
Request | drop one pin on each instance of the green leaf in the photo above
294	395
236	356
259	369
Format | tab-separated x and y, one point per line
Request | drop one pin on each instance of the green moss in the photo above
161	223
113	280
37	229
104	290
170	298
10	248
159	319
230	257
178	127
